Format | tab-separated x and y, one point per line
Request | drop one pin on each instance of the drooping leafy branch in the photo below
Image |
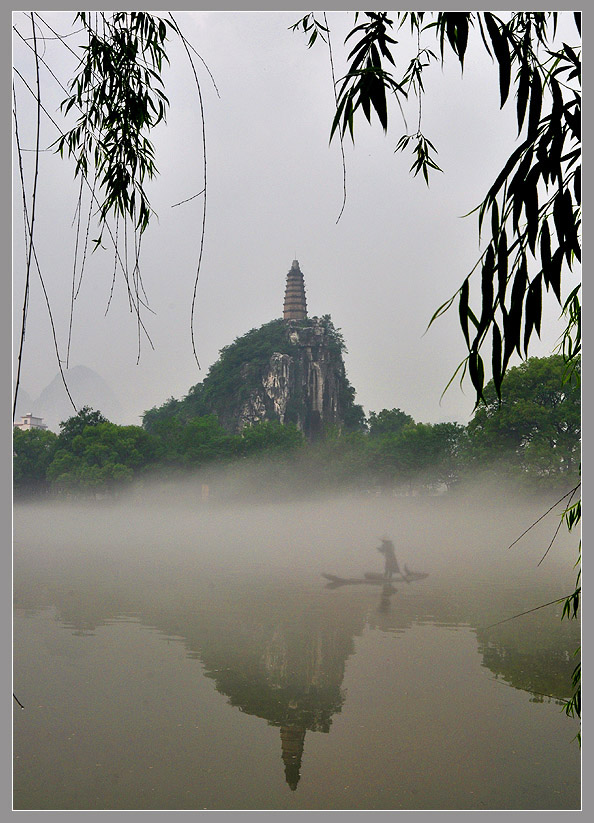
116	93
573	707
531	216
534	204
367	81
118	90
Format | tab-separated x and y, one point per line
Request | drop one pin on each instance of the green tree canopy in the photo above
187	444
238	373
270	438
103	455
536	425
33	451
76	424
420	455
388	421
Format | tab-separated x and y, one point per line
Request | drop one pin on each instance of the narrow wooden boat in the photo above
375	579
336	581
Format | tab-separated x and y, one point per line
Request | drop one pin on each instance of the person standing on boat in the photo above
391	564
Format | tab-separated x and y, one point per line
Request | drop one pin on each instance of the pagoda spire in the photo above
292	739
295	307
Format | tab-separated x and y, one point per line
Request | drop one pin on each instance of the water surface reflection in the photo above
279	646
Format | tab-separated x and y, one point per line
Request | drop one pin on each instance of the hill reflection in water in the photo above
270	635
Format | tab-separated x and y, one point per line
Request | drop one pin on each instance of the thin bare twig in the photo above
32	254
344	183
115	266
134	307
557	529
188	199
59	82
572	492
199	56
28	238
73	291
87	232
203	229
27	277
521	614
29	225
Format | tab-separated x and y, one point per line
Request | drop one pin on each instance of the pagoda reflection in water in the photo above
276	645
280	655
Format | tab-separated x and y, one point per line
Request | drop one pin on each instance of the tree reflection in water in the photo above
276	645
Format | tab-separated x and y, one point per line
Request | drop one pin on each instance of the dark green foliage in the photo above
540	181
191	406
154	419
353	414
229	380
388	421
535	427
100	455
118	91
75	425
418	455
336	342
366	82
33	451
310	24
239	371
531	436
182	444
269	438
531	215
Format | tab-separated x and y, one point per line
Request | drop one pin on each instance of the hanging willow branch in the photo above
119	91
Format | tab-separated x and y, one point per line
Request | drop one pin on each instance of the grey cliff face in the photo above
278	383
289	371
304	387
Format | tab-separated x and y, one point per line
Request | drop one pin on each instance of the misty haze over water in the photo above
175	651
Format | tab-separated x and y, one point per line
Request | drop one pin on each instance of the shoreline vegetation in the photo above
529	441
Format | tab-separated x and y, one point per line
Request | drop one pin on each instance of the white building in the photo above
29	422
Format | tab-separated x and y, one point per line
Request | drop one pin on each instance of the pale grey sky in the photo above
274	193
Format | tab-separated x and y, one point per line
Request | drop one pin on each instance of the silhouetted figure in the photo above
391	564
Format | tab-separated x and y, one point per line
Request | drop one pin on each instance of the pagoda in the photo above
292	738
295	307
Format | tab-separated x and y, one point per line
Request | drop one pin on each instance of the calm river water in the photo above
177	656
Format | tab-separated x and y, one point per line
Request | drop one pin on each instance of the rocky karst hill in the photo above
290	371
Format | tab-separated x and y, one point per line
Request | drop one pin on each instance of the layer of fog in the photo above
193	525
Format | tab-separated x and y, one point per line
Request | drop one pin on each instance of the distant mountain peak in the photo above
86	387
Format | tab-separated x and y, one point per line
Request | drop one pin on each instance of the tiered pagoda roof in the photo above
295	307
